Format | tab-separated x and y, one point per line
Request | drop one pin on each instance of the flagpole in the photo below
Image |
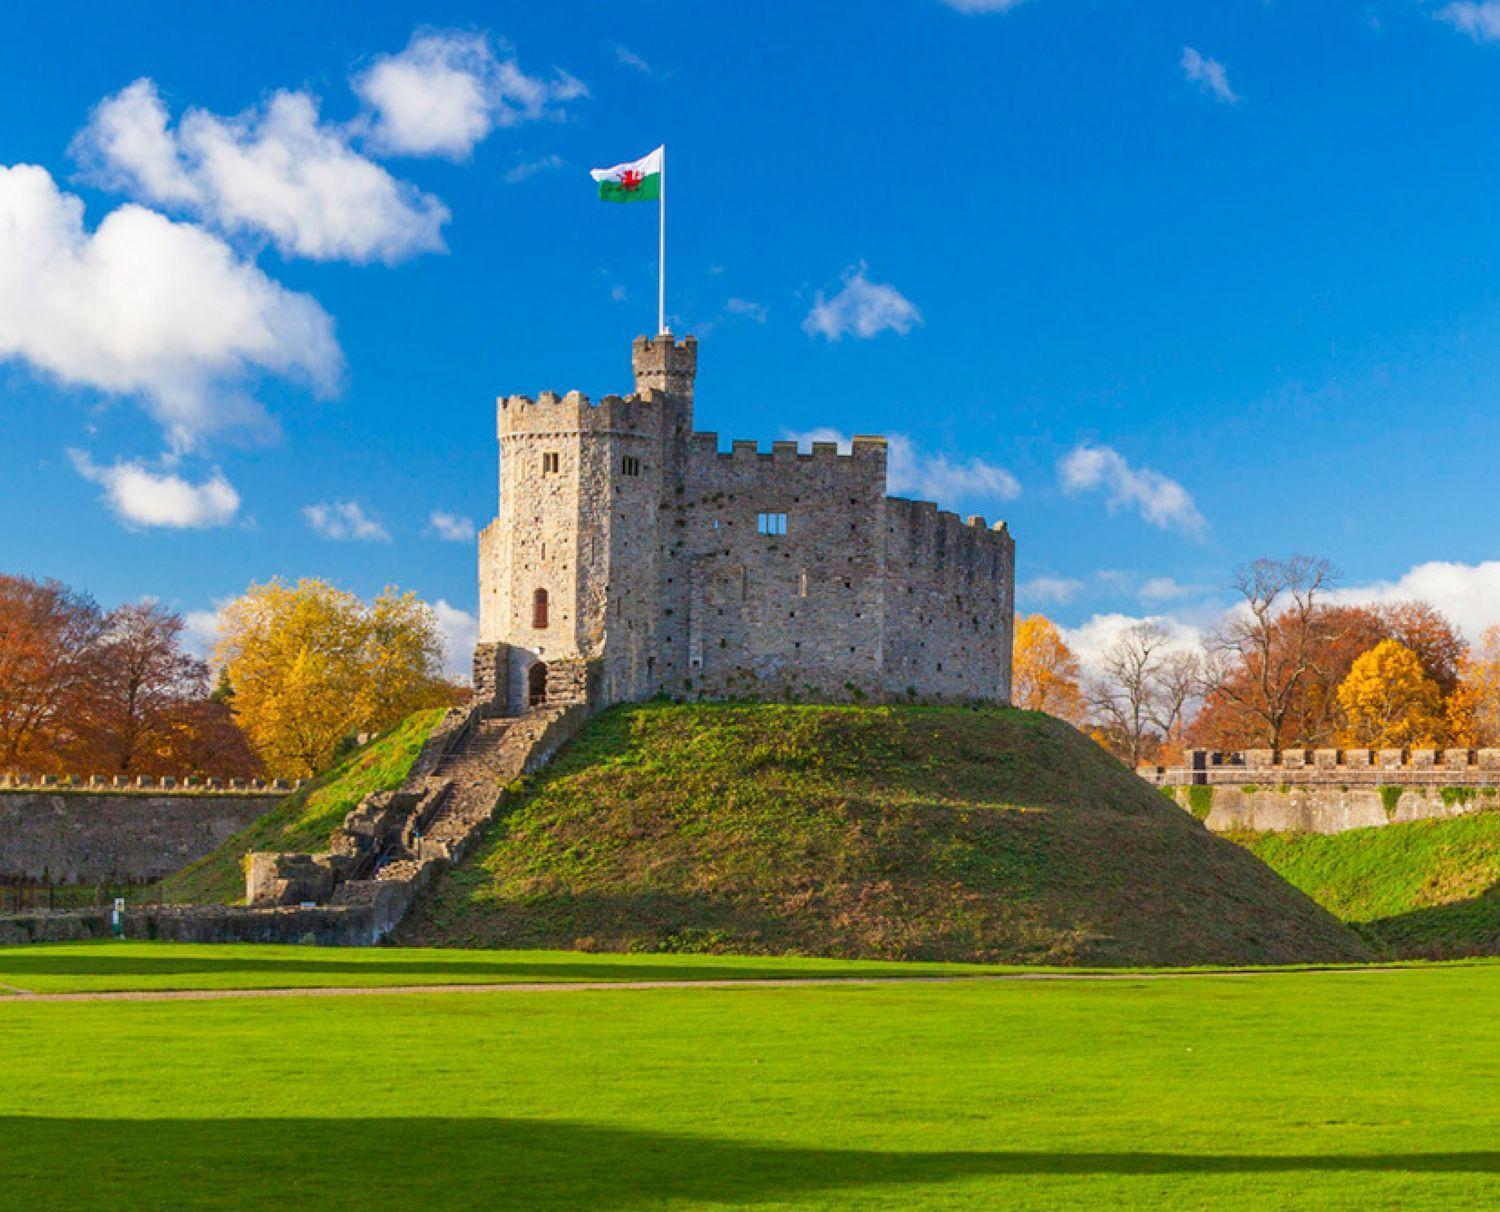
661	252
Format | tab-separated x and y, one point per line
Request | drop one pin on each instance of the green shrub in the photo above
1389	798
1457	795
1200	801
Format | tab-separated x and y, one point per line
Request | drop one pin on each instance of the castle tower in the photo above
570	569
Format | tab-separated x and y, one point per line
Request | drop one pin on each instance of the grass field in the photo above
1345	1089
1419	888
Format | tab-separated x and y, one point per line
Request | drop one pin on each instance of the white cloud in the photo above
148	307
863	308
276	170
460	632
345	520
1480	20
983	6
747	309
142	497
628	58
1209	75
1469	594
1162	501
525	169
201	628
1051	591
1162	589
446	91
450	527
911	472
1091	640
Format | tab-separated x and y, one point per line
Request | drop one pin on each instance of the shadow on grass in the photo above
1462	928
512	1162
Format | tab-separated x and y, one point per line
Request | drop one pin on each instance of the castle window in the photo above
539	609
631	466
771	523
550	461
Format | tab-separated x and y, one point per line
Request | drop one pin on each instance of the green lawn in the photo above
1419	888
1347	1089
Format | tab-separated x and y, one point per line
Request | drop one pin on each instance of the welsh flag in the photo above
638	181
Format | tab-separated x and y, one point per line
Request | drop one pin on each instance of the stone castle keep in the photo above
632	557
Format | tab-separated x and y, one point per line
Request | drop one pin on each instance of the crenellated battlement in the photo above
1316	767
684	567
21	780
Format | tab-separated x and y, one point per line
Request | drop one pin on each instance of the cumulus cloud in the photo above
275	170
1480	19
148	307
746	309
201	628
1469	594
1162	589
139	496
450	527
1159	499
345	520
460	632
1209	75
446	91
1092	639
862	308
911	472
1049	591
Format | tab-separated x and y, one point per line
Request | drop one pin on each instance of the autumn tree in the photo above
1044	670
1268	650
1472	710
1141	694
311	664
1388	701
47	638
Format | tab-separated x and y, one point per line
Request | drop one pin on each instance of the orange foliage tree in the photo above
1388	701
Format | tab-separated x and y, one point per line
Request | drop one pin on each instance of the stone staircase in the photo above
396	842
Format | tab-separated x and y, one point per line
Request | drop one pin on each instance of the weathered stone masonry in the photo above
632	556
1330	790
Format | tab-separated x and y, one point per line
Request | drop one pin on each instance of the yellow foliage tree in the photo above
1388	702
1044	671
1473	709
311	664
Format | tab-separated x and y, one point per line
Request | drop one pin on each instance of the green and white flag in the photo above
638	181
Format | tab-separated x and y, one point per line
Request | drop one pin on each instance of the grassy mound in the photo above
304	820
1421	889
864	832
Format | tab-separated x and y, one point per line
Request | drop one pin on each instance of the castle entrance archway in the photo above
536	684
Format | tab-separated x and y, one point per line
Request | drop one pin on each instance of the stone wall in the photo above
1329	790
82	836
1251	808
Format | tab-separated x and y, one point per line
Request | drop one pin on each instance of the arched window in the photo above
539	609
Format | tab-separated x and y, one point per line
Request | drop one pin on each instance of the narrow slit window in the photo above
631	465
771	523
550	462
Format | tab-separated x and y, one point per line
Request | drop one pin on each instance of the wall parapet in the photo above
1331	767
103	784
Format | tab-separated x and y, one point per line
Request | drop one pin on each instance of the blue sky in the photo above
1168	286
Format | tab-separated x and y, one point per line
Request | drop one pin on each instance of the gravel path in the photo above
204	995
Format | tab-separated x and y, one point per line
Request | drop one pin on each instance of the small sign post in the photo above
117	918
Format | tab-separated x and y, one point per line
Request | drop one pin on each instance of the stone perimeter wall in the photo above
1329	790
84	837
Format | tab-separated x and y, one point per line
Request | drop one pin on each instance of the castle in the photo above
632	557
